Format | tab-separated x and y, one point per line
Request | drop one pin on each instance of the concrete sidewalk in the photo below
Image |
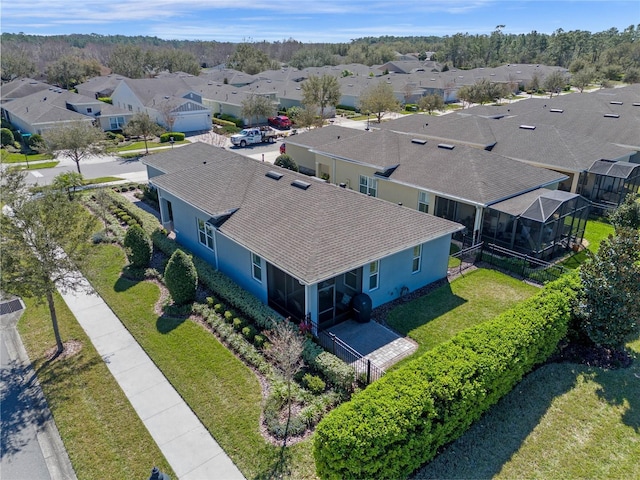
186	444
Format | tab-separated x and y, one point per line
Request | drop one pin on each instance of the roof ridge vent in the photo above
300	184
612	115
274	175
615	102
419	141
556	110
636	104
446	146
528	127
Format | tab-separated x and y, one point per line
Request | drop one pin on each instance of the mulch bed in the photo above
591	355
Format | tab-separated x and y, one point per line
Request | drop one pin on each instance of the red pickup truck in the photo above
281	121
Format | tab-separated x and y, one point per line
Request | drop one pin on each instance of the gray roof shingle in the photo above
311	234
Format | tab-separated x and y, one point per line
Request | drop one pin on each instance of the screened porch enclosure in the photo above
286	294
334	297
608	183
549	224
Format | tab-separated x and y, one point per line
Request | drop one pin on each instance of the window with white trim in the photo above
374	275
351	279
369	185
417	259
423	202
205	233
256	267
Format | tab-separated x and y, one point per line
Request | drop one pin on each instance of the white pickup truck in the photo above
250	136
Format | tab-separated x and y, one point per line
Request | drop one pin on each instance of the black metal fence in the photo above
468	257
366	370
527	267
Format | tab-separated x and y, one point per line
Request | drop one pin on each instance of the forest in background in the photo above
70	59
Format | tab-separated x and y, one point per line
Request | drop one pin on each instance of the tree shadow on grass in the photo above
490	442
279	465
128	279
166	324
621	387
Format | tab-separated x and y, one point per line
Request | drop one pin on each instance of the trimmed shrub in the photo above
6	137
166	137
218	308
181	278
258	341
399	422
249	333
314	383
35	141
238	324
229	316
285	161
238	122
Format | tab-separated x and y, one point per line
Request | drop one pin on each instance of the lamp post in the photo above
171	141
367	129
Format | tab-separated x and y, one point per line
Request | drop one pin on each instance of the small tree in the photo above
141	125
379	99
609	310
285	350
78	141
582	79
321	92
181	278
285	161
627	215
138	247
554	83
68	182
429	103
305	117
255	106
44	242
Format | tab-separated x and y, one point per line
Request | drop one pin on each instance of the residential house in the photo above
102	86
452	181
307	248
55	107
20	87
169	101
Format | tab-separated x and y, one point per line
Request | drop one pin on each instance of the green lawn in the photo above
468	300
150	144
595	232
220	389
563	421
13	157
38	165
104	436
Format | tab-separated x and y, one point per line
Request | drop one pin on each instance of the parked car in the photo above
281	121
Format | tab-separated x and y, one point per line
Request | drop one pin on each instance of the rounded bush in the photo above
258	341
238	324
181	278
228	316
6	137
249	332
138	246
218	308
314	383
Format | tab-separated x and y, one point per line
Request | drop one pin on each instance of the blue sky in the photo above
310	20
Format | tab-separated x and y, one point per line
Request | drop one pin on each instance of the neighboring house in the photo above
543	140
169	101
102	86
55	107
304	247
21	87
452	181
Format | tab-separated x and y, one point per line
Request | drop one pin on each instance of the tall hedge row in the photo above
398	423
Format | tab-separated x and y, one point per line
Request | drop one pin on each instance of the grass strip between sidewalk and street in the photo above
223	392
101	431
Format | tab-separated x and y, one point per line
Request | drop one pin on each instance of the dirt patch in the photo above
592	355
71	348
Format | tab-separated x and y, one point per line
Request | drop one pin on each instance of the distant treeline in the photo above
606	52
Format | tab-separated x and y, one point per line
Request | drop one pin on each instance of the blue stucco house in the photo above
304	247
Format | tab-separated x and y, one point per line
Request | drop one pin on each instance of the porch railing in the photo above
366	370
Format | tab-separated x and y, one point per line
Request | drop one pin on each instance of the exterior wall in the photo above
302	156
123	97
396	271
153	172
235	262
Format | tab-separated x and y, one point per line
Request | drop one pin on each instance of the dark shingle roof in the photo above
192	155
466	173
318	137
311	234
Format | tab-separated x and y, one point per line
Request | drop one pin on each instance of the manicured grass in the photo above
150	144
468	300
13	157
39	165
102	433
220	389
595	232
563	421
97	180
